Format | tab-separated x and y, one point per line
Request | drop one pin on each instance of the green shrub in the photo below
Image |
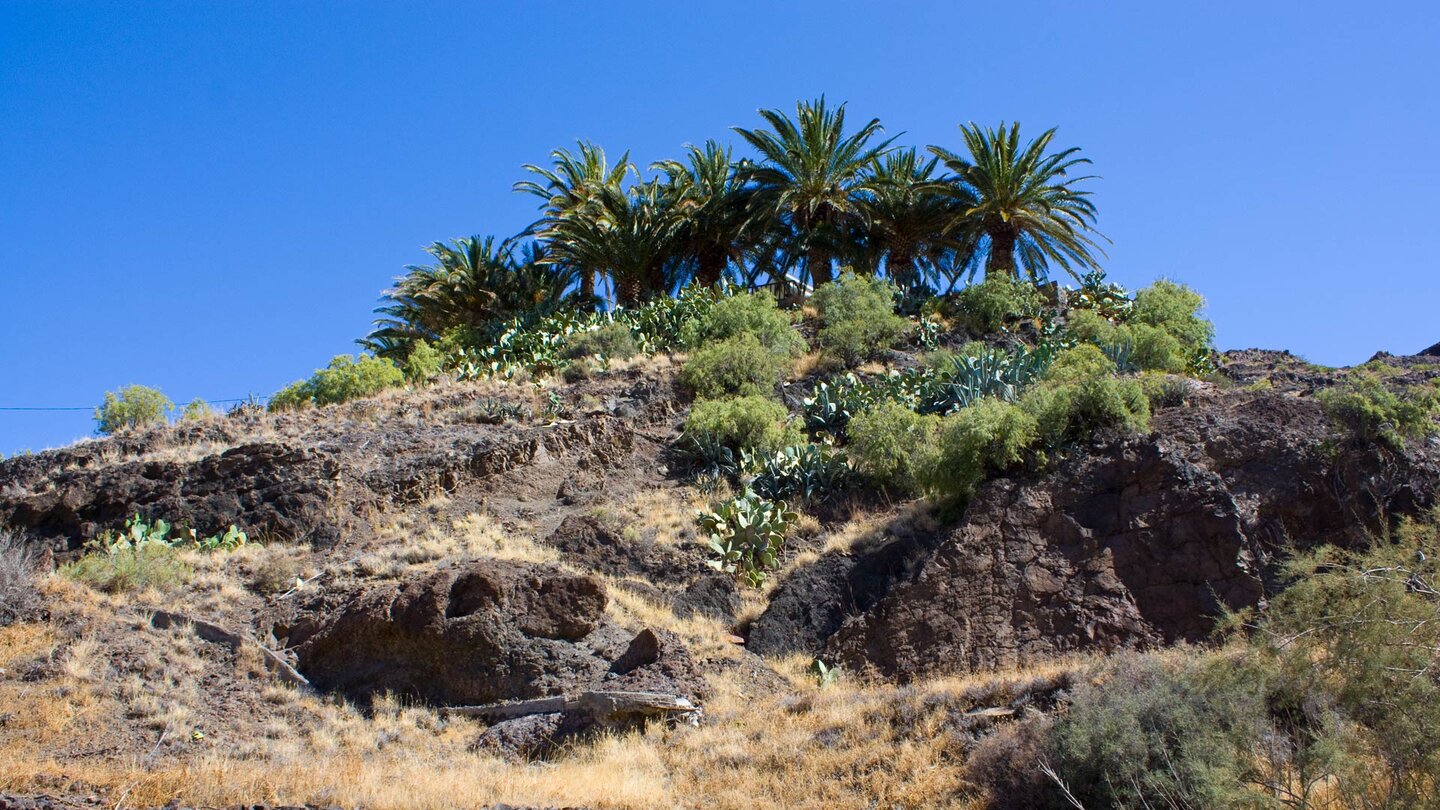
1075	411
1372	412
198	409
424	363
976	442
988	306
1154	349
344	379
130	568
894	446
1087	326
857	317
746	534
738	366
134	406
751	423
748	313
1174	308
1165	390
1079	364
1150	732
612	341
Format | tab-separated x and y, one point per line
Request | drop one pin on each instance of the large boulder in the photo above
484	632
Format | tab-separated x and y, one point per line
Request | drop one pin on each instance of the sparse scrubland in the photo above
805	438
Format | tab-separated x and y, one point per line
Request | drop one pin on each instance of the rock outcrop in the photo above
1129	541
484	632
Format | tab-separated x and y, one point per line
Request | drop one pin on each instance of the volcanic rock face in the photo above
485	632
488	632
1130	541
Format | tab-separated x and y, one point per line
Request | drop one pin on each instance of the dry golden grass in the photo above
849	745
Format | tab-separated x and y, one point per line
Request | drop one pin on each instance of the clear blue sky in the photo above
208	197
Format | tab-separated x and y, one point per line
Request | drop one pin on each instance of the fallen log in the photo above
604	707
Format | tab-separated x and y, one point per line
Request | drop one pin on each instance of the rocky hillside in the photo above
482	544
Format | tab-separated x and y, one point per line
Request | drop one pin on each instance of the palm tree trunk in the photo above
629	290
587	288
1001	261
818	263
710	265
901	268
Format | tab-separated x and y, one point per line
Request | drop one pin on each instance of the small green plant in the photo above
495	411
824	674
857	317
746	535
344	379
134	406
976	442
738	366
424	363
605	342
1107	300
1370	411
894	446
1166	390
197	410
751	423
1075	411
1175	308
996	302
745	313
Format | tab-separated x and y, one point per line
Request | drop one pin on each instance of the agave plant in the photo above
709	457
808	471
991	373
746	535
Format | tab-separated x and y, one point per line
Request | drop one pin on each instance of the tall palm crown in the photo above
709	194
568	190
1020	204
909	217
811	176
630	235
473	284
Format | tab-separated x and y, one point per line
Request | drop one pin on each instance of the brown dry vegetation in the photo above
101	702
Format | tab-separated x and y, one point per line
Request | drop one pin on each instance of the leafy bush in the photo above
344	379
134	406
1154	349
857	317
1372	412
1080	364
143	555
198	409
424	363
1151	733
611	341
894	446
989	306
750	423
747	313
1165	390
976	442
1355	643
1075	411
1175	308
18	595
809	471
738	366
746	535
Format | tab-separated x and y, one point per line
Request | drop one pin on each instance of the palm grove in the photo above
814	196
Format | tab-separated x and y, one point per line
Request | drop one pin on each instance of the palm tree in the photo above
474	284
709	195
811	177
569	189
909	216
630	235
1020	205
